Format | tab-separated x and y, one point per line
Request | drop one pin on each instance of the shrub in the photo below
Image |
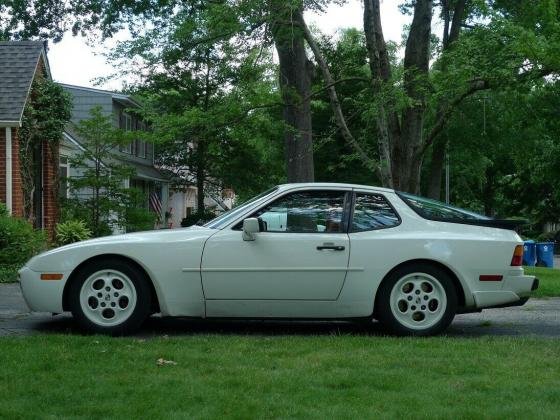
18	240
71	231
136	217
8	273
73	209
195	218
139	219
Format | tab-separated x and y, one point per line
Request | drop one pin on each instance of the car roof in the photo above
285	187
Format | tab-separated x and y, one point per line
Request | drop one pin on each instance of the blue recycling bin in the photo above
529	253
545	254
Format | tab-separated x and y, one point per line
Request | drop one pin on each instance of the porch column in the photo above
9	169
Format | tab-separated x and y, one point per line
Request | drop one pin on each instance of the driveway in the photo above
537	318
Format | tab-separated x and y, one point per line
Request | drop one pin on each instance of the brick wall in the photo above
50	187
17	193
2	164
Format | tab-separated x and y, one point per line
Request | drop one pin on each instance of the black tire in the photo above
392	324
138	313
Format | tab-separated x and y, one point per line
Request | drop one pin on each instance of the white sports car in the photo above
299	251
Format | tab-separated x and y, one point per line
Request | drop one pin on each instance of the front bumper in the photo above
41	295
515	291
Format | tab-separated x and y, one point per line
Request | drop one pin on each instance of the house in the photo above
138	155
21	63
183	202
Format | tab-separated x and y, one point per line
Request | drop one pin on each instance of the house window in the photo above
63	175
140	147
126	124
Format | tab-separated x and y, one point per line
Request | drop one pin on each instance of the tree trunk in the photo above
451	30
200	160
387	125
488	191
295	84
400	143
436	168
406	156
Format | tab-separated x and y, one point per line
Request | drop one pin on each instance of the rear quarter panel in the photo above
468	251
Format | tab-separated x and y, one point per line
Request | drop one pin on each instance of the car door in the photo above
302	255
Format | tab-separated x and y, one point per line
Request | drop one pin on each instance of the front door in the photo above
302	255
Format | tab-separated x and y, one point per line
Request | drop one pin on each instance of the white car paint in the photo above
204	272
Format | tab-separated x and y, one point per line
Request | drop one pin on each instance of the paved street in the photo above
538	318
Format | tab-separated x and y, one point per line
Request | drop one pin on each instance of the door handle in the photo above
330	246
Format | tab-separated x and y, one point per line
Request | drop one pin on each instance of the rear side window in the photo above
436	210
373	211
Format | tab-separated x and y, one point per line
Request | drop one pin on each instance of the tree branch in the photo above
336	82
335	103
476	85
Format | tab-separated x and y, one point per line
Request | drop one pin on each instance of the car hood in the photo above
99	245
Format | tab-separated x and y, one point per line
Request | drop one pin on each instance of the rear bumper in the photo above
515	291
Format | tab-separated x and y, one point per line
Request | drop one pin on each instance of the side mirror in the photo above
250	227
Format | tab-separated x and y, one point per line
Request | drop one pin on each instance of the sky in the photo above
72	61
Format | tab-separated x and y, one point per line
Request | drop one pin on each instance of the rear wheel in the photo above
110	297
419	299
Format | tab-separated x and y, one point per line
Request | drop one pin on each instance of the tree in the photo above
100	191
246	20
212	105
493	55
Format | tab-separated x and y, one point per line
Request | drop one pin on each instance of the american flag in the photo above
155	204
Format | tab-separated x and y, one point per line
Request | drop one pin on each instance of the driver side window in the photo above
305	212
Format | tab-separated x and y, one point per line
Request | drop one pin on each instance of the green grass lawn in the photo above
237	376
549	279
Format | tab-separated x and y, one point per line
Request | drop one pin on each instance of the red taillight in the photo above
517	259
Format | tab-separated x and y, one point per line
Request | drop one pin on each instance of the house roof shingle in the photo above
18	62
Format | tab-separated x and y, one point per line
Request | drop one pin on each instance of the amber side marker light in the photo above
517	259
51	276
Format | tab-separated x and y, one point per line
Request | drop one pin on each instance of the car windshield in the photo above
436	210
229	216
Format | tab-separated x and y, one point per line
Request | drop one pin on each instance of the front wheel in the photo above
417	300
110	297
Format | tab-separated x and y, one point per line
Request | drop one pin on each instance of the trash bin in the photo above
545	254
529	253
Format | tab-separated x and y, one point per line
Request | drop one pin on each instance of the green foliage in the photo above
46	113
101	185
197	218
18	240
74	209
8	273
137	218
213	107
71	231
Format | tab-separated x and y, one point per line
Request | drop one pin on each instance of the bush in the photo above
138	219
195	218
18	240
8	273
71	231
73	209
